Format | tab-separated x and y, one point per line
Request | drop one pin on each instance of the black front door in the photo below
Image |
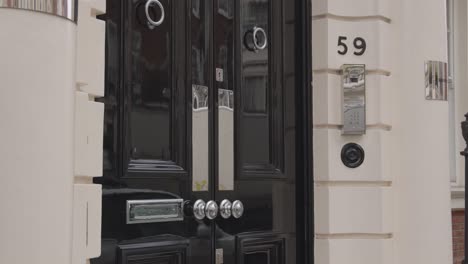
201	134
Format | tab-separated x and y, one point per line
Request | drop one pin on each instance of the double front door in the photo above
200	133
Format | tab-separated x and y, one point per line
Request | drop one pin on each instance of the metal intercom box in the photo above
354	99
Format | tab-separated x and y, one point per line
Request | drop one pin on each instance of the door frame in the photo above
304	122
305	177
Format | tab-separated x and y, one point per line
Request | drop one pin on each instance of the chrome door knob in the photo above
211	210
225	209
237	209
199	209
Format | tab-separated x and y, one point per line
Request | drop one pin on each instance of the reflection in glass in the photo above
224	64
200	137
226	139
226	8
200	118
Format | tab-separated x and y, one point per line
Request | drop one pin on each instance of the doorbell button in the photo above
352	155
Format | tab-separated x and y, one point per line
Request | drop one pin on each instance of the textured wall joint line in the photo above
353	183
354	236
352	18
379	126
340	72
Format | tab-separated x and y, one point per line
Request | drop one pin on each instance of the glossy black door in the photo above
255	48
148	132
204	106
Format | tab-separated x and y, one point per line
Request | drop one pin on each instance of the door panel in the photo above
261	90
262	250
163	252
150	87
148	138
264	176
155	122
255	86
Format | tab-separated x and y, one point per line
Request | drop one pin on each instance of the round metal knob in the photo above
211	210
199	209
151	23
237	209
258	43
225	209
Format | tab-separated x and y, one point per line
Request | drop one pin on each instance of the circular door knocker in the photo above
352	155
256	39
151	23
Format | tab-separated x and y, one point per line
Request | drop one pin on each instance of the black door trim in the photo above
305	184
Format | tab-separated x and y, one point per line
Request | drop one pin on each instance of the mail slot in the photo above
154	211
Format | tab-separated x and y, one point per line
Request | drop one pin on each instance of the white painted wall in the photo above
420	136
37	83
395	208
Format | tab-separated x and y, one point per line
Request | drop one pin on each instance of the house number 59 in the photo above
359	44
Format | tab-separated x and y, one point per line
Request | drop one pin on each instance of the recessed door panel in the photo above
155	105
261	89
149	83
255	82
175	252
264	229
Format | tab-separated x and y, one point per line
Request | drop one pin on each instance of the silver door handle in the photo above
151	23
237	209
199	209
225	209
256	42
211	210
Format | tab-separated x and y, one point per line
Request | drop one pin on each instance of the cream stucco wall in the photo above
51	70
37	82
420	136
395	208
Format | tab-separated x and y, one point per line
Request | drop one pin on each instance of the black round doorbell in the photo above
352	155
